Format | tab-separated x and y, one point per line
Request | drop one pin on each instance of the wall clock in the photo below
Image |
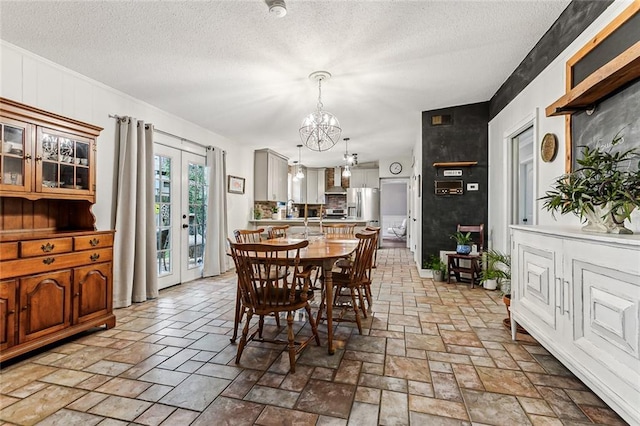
549	147
395	168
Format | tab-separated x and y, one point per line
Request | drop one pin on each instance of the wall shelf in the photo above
608	78
456	164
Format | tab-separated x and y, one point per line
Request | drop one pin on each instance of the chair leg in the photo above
260	326
291	346
367	294
355	310
238	317
359	290
312	322
243	339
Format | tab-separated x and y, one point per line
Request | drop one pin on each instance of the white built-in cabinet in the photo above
315	186
270	176
364	178
578	294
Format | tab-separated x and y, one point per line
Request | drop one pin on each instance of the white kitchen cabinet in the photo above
364	178
315	186
299	186
270	176
578	294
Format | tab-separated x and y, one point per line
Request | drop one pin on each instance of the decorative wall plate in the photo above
549	147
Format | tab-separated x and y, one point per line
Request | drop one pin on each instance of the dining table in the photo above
323	251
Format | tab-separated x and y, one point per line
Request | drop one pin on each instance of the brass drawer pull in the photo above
48	260
94	257
94	242
47	247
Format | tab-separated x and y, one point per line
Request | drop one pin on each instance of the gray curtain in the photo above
215	258
134	264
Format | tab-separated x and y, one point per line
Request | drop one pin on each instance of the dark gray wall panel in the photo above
466	139
569	25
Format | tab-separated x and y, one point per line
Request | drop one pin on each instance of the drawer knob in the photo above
94	257
94	242
47	247
48	260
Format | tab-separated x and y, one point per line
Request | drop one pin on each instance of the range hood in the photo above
337	178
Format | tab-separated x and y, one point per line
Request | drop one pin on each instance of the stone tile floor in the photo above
431	354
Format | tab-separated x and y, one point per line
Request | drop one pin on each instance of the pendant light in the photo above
320	130
348	160
299	172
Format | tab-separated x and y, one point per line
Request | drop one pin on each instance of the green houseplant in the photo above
463	242
438	267
603	190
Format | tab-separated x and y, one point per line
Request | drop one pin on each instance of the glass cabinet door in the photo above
15	158
65	162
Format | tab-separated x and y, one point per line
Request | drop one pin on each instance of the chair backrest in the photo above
339	228
375	229
363	259
267	274
248	235
278	231
477	234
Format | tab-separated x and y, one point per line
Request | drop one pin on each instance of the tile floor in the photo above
431	354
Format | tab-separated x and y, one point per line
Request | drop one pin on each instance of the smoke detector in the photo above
277	8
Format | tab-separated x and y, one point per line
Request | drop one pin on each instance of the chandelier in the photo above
320	130
298	164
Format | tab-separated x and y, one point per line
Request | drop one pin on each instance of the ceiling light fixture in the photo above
277	8
299	172
348	159
320	130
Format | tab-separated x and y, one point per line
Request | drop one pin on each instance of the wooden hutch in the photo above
55	268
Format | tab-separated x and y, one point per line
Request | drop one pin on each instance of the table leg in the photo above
327	266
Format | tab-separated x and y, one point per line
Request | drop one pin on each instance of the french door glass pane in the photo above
163	213
197	193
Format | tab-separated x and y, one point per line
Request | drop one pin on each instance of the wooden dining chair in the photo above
279	231
339	228
245	236
261	293
248	235
354	279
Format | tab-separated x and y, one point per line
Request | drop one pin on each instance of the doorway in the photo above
180	191
394	199
522	182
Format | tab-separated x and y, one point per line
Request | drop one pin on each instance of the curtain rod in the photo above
170	134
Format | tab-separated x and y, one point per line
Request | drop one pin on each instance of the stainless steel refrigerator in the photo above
364	204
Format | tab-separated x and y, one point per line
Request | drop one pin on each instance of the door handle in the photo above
184	225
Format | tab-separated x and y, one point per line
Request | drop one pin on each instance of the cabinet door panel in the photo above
7	313
44	304
15	155
537	281
91	292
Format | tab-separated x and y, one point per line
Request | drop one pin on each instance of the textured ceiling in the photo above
232	68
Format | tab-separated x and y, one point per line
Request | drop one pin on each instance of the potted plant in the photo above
275	213
496	267
438	268
463	241
603	190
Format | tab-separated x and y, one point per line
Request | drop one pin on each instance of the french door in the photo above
180	190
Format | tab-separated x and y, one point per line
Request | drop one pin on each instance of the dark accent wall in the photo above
465	139
569	25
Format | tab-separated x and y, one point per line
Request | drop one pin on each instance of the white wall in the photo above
530	104
384	167
35	81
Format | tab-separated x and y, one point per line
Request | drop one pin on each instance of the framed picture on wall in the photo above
235	185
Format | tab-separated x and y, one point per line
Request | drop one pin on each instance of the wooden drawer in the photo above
36	265
45	247
9	251
88	242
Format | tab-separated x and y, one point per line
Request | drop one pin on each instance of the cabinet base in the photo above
108	320
519	329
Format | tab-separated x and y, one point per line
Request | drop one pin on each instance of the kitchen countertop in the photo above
300	221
